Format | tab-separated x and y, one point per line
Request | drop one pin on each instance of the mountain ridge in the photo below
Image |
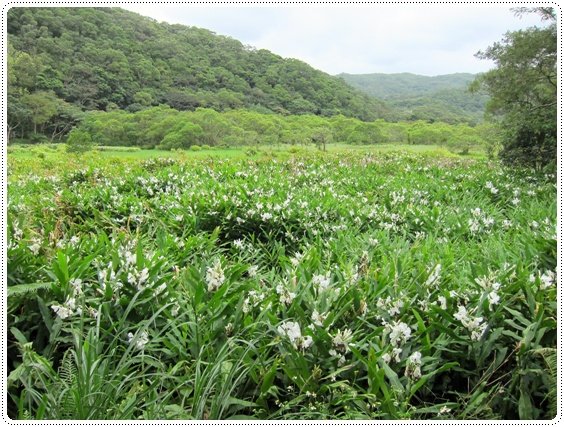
107	58
444	97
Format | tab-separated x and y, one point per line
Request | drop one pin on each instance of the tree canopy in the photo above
523	90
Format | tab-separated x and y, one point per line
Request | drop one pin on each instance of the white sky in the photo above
428	40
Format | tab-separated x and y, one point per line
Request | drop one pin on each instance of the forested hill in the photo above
443	98
108	58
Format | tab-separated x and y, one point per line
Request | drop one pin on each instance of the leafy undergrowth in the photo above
336	286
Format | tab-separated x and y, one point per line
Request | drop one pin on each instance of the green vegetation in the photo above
62	61
523	92
316	286
165	128
225	234
440	98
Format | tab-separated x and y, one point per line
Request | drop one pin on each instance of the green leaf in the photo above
525	403
16	290
18	335
421	382
392	377
268	378
240	402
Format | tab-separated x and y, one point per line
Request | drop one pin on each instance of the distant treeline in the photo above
166	128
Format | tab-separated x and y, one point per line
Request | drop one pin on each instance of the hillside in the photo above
109	58
443	98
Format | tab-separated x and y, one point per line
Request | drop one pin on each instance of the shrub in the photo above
195	148
79	141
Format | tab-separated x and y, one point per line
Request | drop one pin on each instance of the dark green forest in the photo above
414	97
66	60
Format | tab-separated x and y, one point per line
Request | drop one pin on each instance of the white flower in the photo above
215	276
397	353
399	333
413	366
292	331
266	216
67	309
415	358
444	410
253	269
35	247
322	281
129	258
434	276
317	318
473	324
247	305
175	309
140	342
442	302
386	357
341	357
286	297
395	308
62	311
307	342
238	244
295	260
341	340
92	312
493	298
548	279
77	286
160	289
143	277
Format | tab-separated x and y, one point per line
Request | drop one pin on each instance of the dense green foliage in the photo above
166	128
440	98
64	60
523	91
320	287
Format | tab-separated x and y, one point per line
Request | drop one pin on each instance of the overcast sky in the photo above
429	40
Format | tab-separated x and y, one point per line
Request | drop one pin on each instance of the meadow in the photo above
281	284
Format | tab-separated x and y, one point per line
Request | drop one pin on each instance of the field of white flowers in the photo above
341	286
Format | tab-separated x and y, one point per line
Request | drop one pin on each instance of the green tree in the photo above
186	136
41	105
79	141
523	91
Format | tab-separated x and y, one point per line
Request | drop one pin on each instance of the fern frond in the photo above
27	288
67	369
68	379
549	356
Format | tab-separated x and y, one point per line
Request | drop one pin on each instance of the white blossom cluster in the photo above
215	276
292	331
475	325
546	279
398	334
